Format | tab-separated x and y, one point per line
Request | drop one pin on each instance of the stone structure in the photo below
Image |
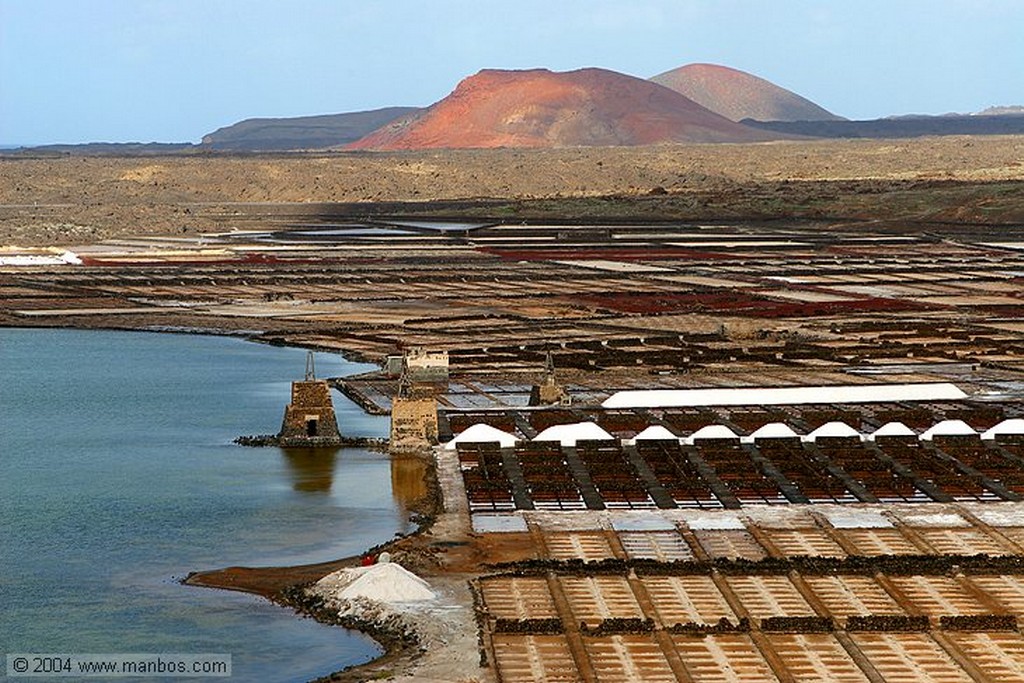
426	366
413	419
549	391
309	419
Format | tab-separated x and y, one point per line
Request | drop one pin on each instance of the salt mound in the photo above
569	434
386	582
949	428
483	433
832	430
1012	426
772	430
711	432
892	429
655	433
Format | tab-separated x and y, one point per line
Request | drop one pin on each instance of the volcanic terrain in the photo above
541	108
738	95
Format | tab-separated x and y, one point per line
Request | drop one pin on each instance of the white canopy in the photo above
569	434
892	429
483	433
711	432
745	396
1012	426
654	433
949	428
832	429
772	430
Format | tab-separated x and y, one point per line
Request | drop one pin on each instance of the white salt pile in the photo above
1009	427
52	259
748	396
949	428
654	433
832	430
711	432
892	429
383	582
772	430
483	433
569	434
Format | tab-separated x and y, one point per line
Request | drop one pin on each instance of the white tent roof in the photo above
483	433
744	396
569	434
711	432
772	430
1012	426
949	428
654	433
892	429
832	429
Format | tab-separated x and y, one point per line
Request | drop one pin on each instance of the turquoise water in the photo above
118	477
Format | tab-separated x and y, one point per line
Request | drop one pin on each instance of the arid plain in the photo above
73	199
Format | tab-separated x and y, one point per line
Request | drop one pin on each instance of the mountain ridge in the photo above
302	132
738	95
543	108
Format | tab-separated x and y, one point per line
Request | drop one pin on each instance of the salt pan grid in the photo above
1015	534
663	546
937	596
909	658
596	598
880	542
960	541
524	659
730	543
999	655
726	658
806	541
1007	591
846	596
769	596
589	546
629	658
687	599
815	657
518	598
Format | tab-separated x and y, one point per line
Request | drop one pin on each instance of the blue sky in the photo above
173	70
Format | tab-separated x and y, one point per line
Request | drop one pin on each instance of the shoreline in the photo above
283	585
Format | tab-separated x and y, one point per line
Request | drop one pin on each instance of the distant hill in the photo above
738	95
99	149
541	108
303	132
1003	110
900	127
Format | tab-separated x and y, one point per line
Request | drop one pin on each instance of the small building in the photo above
426	366
309	419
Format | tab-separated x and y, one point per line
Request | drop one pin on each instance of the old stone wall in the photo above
413	423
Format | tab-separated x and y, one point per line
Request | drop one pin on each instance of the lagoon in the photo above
118	477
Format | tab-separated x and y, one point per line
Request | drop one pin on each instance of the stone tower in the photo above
309	419
413	417
549	391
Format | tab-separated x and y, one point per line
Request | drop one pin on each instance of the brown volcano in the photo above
738	95
541	108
